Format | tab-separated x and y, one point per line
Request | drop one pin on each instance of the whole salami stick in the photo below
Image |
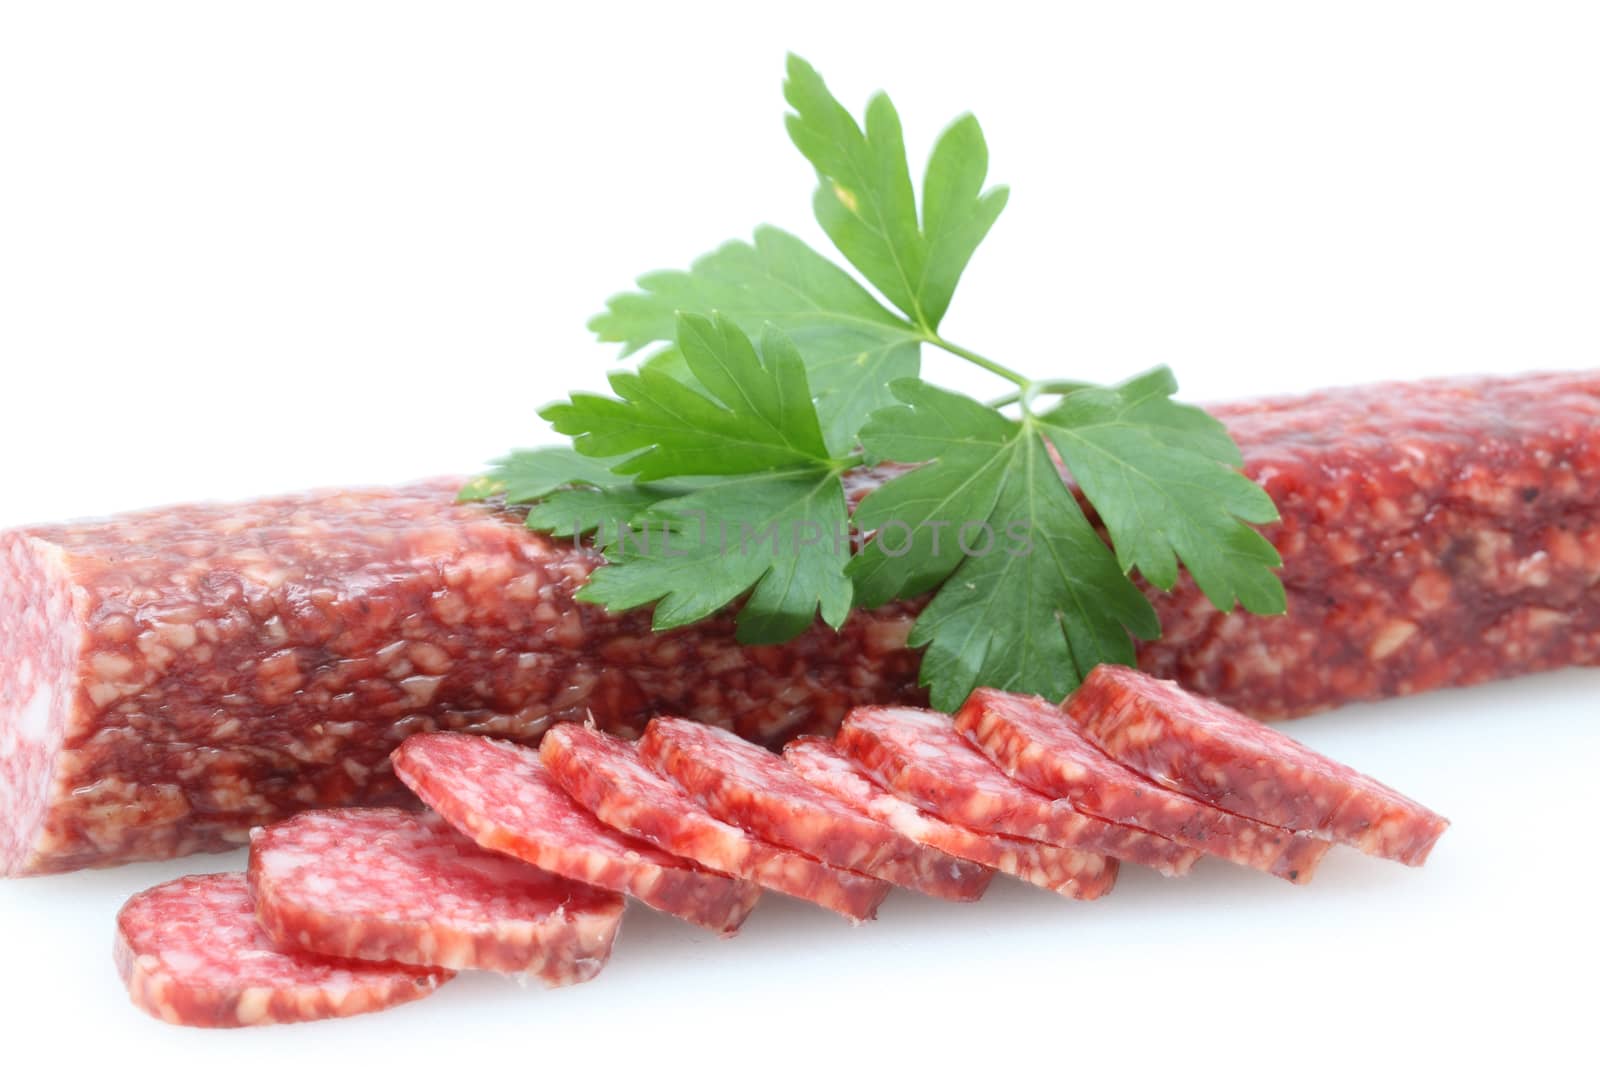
170	679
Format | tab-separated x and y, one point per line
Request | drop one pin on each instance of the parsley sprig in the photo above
716	472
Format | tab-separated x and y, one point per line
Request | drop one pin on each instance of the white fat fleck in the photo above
321	885
253	1005
282	861
34	722
180	962
338	985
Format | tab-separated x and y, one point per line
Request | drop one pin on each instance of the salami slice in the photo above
921	756
1070	872
192	953
751	787
1214	754
1034	742
387	885
500	795
606	775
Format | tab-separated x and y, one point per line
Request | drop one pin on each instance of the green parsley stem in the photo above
1047	387
1020	380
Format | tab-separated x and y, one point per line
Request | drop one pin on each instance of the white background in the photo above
256	247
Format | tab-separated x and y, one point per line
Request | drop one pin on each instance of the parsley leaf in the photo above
532	473
966	448
853	346
867	207
780	537
570	494
712	475
1031	598
749	415
774	525
1164	479
606	513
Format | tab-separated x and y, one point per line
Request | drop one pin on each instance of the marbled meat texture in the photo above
1215	754
920	756
1033	741
606	775
1434	533
395	886
500	795
1070	872
751	787
192	953
171	678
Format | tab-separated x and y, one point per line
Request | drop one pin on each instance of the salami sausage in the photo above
1214	754
606	775
1433	534
170	679
500	795
192	953
923	758
392	886
748	786
1070	872
1034	742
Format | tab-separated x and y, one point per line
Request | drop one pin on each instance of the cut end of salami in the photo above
751	787
921	756
39	654
392	886
500	795
192	953
607	776
1070	872
1037	744
1217	755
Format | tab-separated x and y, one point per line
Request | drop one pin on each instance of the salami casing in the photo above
920	756
606	775
171	678
1214	754
192	953
1070	872
1034	742
748	786
500	795
393	886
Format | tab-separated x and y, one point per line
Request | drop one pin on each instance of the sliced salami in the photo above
1215	754
606	775
751	787
387	885
921	756
1070	872
1034	742
192	953
500	795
